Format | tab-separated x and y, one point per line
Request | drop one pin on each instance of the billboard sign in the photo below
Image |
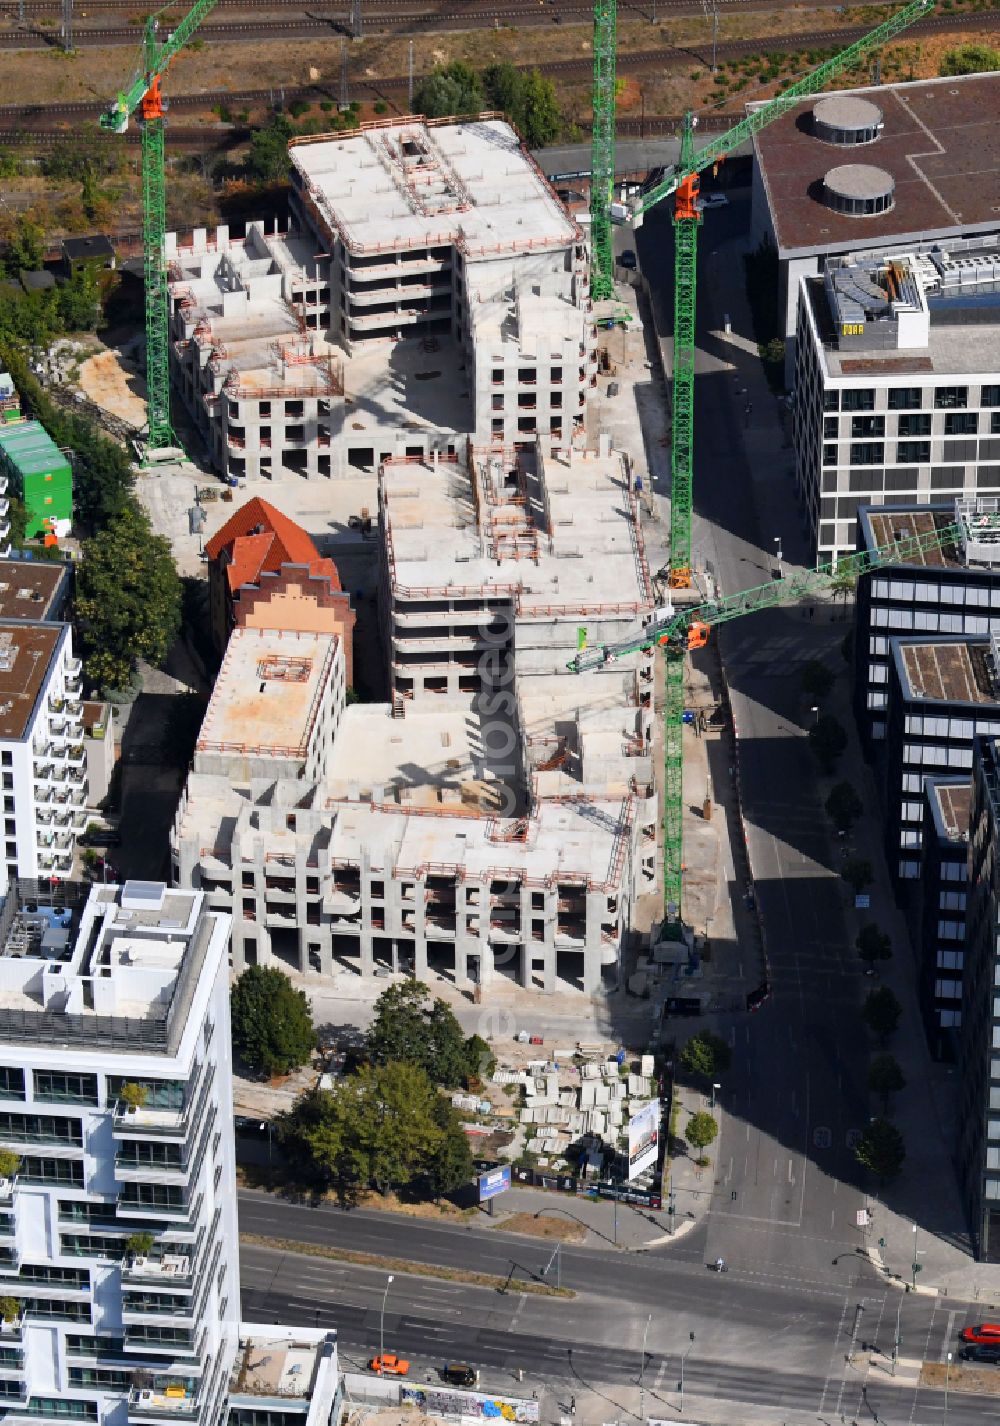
493	1182
466	1405
643	1138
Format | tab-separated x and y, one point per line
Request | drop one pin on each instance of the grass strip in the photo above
402	1265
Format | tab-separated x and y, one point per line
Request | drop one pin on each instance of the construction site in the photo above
432	290
479	824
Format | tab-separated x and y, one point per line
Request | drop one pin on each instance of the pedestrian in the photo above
812	611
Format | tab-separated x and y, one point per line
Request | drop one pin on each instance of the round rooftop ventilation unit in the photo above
842	119
859	190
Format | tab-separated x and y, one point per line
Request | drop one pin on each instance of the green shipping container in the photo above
39	474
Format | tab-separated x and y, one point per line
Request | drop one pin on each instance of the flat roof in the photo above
451	528
951	803
417	183
883	525
136	955
28	588
575	841
26	653
267	692
946	671
940	143
437	755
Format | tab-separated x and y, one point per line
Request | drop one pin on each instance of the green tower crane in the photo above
682	183
602	148
145	96
686	629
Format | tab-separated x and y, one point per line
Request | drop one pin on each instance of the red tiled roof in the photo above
258	538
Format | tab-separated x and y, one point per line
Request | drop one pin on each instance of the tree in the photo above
881	1012
843	806
881	1149
700	1132
79	301
970	59
449	89
10	1308
843	583
827	740
885	1077
268	161
271	1020
375	1128
873	945
817	678
9	1163
705	1055
26	248
541	119
451	1165
480	1060
408	1026
858	874
134	1095
137	1245
528	100
128	603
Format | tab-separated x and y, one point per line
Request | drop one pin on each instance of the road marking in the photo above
948	1333
659	1375
790	1177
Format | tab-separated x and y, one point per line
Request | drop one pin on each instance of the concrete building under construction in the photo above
498	817
433	289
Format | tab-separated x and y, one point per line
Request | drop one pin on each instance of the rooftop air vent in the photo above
859	189
843	119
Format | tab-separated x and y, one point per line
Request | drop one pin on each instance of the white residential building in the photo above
432	290
119	1231
498	818
43	766
897	384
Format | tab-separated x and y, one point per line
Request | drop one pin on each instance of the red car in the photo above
984	1334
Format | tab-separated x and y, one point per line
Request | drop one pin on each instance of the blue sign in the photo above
493	1182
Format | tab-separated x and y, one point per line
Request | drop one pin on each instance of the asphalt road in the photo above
756	1338
795	1097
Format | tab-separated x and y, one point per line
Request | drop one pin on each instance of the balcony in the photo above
75	755
128	1171
173	1270
130	1207
169	1402
74	668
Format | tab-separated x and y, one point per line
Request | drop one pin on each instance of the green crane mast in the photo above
682	183
144	95
689	628
602	149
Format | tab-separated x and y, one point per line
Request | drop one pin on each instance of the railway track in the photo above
477	14
393	9
45	118
205	137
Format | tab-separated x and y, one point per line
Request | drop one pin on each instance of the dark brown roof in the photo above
26	651
954	803
28	588
885	526
948	672
941	143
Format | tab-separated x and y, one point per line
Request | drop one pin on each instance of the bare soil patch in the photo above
553	1228
984	1381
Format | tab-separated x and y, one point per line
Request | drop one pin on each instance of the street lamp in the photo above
947	1373
895	1340
914	1265
714	1088
814	710
642	1372
381	1329
683	1356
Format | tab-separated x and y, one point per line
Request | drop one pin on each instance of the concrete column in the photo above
367	953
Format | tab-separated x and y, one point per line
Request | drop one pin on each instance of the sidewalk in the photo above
927	1190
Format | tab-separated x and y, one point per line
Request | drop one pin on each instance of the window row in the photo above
975	596
909	398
